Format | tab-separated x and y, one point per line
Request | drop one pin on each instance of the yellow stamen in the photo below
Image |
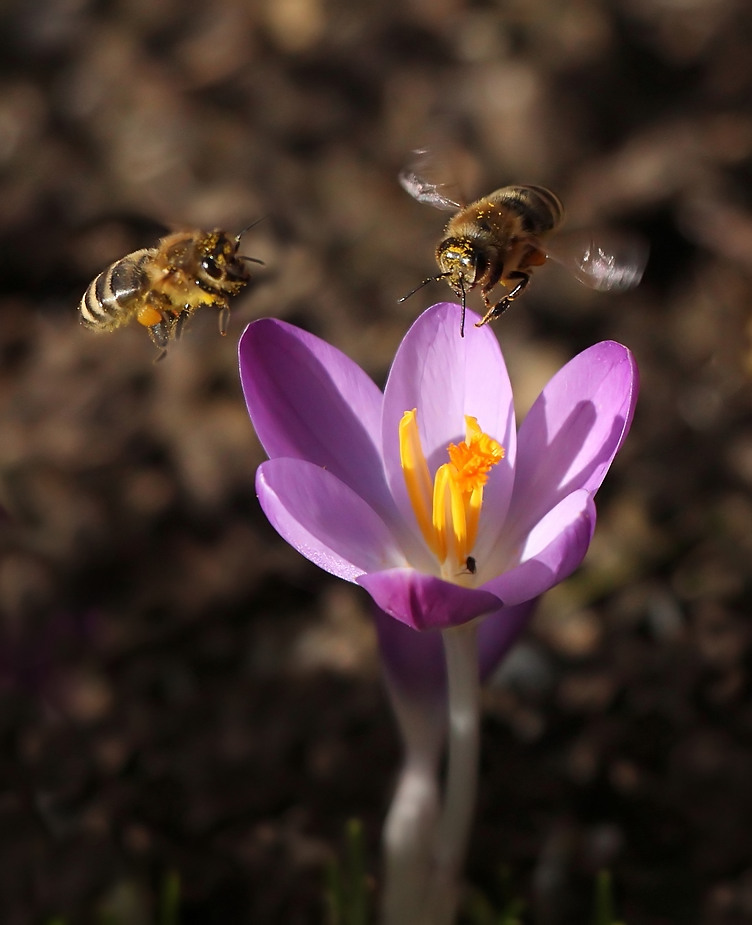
417	476
449	514
472	460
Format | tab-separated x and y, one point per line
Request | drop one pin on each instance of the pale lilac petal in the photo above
553	550
324	519
572	433
499	631
307	400
447	377
415	661
425	602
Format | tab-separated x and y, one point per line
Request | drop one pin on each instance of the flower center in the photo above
448	509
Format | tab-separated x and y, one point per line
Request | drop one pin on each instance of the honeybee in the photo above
161	287
502	237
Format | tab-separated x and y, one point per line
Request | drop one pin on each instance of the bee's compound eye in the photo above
211	267
477	262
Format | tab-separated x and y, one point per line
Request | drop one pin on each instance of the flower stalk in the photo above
463	749
410	826
425	837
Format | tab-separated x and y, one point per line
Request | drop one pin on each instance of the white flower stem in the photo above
408	839
460	645
410	827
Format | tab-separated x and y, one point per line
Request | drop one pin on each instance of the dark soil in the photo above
183	693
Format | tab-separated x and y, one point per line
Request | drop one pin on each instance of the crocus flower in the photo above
426	495
429	498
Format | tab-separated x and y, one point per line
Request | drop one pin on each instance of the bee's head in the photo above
218	258
462	263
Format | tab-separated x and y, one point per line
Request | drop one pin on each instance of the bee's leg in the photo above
497	310
224	319
157	326
179	323
160	335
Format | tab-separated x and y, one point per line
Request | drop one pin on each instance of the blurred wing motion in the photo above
415	180
611	262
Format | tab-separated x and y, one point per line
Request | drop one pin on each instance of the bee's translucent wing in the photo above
607	261
425	191
415	179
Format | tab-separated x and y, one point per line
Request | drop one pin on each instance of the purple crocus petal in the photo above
573	431
447	377
425	602
307	400
554	548
415	675
415	661
498	632
324	519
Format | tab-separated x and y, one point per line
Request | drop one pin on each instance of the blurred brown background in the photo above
182	692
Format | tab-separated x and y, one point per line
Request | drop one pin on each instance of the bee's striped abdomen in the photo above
107	300
539	210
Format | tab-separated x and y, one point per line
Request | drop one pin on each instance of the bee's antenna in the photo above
240	234
430	279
